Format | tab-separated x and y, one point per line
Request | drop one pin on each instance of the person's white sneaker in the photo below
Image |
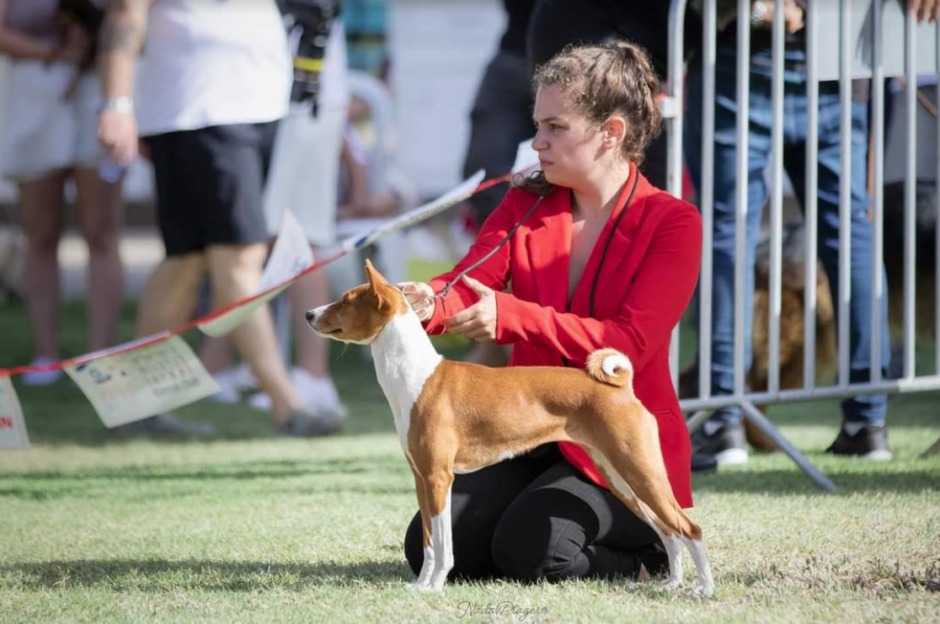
318	392
232	382
243	378
228	387
41	378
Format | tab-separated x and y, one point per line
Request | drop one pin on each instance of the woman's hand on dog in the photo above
421	298
478	322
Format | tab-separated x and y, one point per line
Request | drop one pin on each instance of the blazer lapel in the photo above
548	245
615	268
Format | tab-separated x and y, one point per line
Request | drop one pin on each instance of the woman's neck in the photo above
597	197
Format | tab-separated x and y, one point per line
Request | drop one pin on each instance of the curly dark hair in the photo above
601	80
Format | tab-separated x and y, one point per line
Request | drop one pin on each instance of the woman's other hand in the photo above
421	298
478	322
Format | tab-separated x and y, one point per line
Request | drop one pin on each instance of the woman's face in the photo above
568	145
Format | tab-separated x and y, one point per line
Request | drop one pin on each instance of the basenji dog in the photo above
456	417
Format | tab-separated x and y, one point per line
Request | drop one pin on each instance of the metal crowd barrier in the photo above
876	13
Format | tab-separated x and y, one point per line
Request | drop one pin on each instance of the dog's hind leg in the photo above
650	497
706	584
622	490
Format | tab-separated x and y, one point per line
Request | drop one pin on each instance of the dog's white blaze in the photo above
613	363
404	360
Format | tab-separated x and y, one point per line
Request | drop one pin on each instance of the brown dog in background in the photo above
792	327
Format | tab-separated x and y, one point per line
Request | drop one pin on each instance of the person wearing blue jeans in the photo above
863	432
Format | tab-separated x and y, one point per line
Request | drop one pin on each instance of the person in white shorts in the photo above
48	136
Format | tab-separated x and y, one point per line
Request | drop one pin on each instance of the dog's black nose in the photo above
310	315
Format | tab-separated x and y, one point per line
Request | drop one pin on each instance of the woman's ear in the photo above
615	129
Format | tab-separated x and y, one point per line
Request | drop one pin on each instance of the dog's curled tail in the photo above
611	367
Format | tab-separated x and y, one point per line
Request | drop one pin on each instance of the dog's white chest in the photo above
404	360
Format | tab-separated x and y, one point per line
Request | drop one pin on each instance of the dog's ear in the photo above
377	284
376	279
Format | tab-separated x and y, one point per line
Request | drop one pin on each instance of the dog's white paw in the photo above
672	584
423	587
703	591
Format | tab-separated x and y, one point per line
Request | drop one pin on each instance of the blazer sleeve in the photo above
493	273
654	304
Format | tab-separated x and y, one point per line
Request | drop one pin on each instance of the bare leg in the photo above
42	207
236	272
216	353
312	351
100	211
170	294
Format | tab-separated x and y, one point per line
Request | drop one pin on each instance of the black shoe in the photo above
702	464
869	442
165	424
307	424
654	559
726	443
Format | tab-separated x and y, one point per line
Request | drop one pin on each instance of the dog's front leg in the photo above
439	494
423	581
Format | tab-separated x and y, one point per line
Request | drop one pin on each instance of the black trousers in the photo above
537	517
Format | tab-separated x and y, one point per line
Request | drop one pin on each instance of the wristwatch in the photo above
759	12
123	104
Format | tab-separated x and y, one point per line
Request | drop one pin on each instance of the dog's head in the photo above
362	312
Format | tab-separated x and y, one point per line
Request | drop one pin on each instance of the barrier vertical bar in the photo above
910	192
776	203
845	186
674	127
878	144
741	186
811	201
707	196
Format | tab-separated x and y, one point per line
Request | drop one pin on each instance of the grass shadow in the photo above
160	575
795	482
49	485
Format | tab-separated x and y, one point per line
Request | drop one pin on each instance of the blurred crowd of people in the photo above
210	104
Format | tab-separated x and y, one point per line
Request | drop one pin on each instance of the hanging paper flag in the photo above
132	384
454	196
12	426
527	159
290	256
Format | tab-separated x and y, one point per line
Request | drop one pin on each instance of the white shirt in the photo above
211	63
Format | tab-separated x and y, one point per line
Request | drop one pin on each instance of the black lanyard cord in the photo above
492	251
610	237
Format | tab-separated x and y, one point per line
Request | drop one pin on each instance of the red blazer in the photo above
645	284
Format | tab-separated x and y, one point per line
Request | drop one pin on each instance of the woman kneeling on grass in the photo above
604	260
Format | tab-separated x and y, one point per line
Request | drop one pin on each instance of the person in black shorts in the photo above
211	88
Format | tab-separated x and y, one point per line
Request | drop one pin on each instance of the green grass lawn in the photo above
249	528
